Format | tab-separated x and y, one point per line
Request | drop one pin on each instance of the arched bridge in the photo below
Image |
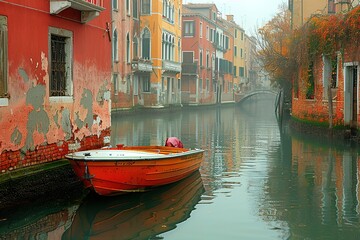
243	96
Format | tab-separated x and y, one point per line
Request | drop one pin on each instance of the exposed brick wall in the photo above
316	110
150	99
11	160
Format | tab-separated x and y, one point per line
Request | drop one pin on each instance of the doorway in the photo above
351	95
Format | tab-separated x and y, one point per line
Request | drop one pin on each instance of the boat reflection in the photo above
138	215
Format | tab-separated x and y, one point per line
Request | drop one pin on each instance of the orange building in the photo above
146	53
160	36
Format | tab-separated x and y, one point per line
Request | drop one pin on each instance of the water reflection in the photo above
136	216
320	197
257	182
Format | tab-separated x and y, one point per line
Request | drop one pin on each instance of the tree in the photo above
274	53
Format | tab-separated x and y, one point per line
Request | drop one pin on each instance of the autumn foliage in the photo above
274	48
283	50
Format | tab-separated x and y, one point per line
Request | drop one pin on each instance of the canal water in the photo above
257	181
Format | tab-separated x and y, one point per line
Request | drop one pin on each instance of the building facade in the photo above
165	53
54	84
239	54
198	67
160	28
209	39
326	90
127	64
302	10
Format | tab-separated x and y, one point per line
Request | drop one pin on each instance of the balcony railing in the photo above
189	68
90	9
141	65
171	66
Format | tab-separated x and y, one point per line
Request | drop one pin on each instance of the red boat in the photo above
112	171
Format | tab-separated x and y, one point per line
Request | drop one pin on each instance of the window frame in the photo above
189	28
69	62
115	47
145	7
143	43
115	5
135	11
146	84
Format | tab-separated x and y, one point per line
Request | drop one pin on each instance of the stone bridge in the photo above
243	96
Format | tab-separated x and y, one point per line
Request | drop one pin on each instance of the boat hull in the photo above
116	176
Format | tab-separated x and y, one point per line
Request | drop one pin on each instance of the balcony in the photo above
90	9
141	65
189	69
171	66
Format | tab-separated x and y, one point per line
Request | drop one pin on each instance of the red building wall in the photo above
194	44
34	127
316	110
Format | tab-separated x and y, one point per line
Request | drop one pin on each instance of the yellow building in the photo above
160	27
302	10
239	53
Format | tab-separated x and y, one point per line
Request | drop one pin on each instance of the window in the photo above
127	6
135	8
201	58
329	74
145	83
310	91
60	45
207	59
241	71
115	83
128	83
201	30
136	85
235	51
135	47
115	45
3	56
227	46
207	32
188	57
145	46
145	6
115	4
162	84
127	48
188	28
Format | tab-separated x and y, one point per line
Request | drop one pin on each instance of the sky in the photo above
249	14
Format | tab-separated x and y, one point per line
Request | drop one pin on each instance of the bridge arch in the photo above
244	96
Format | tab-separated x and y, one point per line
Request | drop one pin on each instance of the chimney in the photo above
230	18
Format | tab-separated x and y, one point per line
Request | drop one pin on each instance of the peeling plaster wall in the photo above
32	118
